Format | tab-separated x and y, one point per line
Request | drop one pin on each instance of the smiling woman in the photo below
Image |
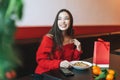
58	46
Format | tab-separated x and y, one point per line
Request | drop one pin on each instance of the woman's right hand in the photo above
65	64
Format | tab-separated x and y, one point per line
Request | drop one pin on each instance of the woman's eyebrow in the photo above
67	17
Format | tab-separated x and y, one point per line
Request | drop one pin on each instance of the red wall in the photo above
28	32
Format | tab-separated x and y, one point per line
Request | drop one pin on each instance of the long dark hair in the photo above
57	33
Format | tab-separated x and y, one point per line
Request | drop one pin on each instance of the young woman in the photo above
58	47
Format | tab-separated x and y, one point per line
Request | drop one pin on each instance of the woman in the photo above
58	47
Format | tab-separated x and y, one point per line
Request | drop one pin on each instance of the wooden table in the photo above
85	74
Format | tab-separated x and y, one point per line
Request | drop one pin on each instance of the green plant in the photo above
10	11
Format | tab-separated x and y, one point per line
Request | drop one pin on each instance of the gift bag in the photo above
101	53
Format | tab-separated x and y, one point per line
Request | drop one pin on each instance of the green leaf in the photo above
10	8
19	8
101	76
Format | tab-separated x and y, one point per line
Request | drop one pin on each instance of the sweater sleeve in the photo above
42	56
77	54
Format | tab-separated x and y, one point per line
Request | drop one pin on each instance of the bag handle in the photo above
103	42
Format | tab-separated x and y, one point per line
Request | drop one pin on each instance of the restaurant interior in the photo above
93	19
29	46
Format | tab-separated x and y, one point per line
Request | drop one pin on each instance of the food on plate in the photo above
80	64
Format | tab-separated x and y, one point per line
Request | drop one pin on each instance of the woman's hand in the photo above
65	64
78	44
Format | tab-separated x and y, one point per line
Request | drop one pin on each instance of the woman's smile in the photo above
63	21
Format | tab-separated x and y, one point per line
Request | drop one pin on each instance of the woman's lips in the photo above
64	25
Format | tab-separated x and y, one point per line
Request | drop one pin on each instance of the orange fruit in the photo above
109	77
96	70
93	67
111	71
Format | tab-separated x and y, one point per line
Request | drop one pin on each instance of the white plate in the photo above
80	67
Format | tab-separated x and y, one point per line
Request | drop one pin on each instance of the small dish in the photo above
81	65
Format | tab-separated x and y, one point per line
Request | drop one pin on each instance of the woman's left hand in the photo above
77	43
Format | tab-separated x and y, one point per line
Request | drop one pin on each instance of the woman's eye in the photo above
59	18
67	18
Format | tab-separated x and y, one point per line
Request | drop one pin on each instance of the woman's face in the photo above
63	21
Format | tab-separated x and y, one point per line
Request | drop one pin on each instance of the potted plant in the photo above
10	11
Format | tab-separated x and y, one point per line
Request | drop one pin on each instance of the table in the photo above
84	74
87	74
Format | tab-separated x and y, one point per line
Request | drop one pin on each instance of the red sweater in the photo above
42	57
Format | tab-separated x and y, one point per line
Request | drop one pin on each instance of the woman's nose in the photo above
63	21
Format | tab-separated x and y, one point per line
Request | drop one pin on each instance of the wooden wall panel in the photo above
27	32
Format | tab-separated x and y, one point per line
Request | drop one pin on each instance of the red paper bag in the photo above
101	53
